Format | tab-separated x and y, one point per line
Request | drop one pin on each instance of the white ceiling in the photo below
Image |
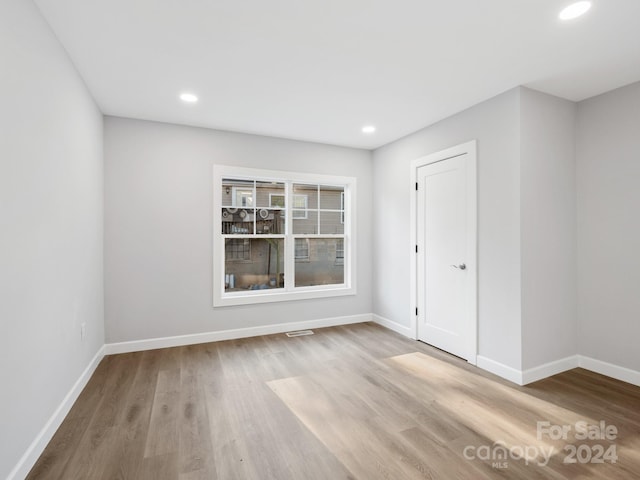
319	70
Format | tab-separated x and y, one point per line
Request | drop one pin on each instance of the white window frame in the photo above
289	292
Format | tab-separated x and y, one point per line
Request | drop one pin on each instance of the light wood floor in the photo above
352	402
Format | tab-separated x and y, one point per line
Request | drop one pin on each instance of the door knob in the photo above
462	266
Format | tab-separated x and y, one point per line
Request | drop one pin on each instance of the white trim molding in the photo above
395	326
509	373
610	370
525	377
206	337
549	369
30	457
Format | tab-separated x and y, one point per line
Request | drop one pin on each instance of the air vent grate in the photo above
299	333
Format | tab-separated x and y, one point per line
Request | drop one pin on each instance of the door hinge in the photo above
416	248
416	311
416	186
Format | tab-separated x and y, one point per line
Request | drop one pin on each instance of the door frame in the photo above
470	149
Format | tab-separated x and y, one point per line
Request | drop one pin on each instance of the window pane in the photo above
305	225
230	186
269	192
253	264
270	222
237	193
237	220
324	266
331	223
330	197
305	196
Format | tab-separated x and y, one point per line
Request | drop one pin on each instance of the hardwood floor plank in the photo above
195	460
134	419
159	467
162	438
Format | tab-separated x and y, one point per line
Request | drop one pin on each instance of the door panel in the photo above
443	276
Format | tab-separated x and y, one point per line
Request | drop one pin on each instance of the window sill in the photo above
269	296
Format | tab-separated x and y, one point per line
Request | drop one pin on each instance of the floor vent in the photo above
299	333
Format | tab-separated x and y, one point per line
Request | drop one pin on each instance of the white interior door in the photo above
446	255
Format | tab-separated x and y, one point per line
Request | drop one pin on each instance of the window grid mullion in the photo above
318	207
254	204
289	275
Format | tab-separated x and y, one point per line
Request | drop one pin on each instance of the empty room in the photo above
319	240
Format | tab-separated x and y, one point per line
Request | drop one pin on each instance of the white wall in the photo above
608	182
496	125
159	233
548	228
51	227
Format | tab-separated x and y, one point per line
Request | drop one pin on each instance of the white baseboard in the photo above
181	340
30	457
500	369
610	370
549	369
558	366
524	377
395	326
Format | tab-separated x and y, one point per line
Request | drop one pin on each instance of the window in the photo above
281	236
302	249
276	200
299	206
238	250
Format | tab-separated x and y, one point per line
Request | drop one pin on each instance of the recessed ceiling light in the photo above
188	97
574	10
368	129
